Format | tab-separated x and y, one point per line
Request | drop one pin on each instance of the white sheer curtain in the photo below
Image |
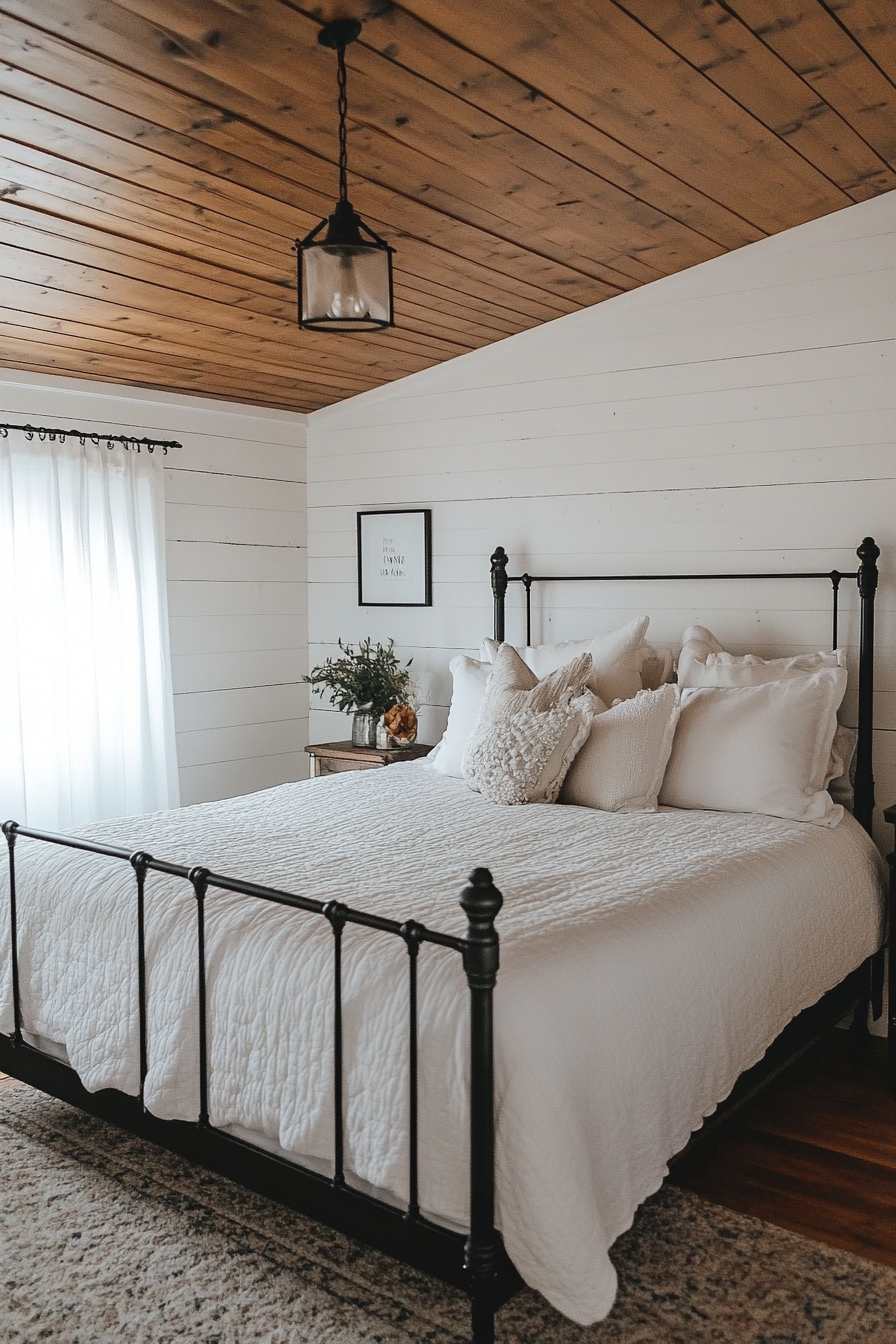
86	710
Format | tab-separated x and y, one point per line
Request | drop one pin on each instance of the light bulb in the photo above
347	300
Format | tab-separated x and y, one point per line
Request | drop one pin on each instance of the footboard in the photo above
476	1263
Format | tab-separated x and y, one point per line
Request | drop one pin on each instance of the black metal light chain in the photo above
343	113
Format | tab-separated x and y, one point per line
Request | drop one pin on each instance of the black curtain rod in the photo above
129	440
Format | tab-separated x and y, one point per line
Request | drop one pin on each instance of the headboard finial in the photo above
868	553
499	588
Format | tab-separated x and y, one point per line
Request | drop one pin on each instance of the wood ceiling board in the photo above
96	199
872	24
599	62
203	175
126	334
185	375
189	136
404	41
78	292
442	144
823	53
525	160
750	70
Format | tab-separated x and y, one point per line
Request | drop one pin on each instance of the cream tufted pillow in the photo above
529	730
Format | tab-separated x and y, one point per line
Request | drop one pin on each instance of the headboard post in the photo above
499	588
864	783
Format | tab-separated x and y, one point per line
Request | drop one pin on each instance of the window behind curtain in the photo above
86	710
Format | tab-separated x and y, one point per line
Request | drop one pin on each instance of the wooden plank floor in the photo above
814	1152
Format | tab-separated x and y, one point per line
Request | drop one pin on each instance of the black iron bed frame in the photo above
477	1262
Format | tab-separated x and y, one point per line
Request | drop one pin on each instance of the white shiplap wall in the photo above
738	414
236	558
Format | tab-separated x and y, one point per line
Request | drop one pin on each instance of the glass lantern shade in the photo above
345	281
345	287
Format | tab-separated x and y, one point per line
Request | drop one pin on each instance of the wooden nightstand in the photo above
329	758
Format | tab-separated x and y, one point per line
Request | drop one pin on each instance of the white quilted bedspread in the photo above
646	960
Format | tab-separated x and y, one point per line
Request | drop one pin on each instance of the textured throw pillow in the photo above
529	730
703	662
758	748
616	656
621	765
841	767
469	678
656	668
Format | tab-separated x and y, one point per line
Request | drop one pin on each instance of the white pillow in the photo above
616	657
758	748
703	662
469	677
528	730
621	765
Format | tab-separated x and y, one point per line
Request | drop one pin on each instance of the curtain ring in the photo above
29	433
95	440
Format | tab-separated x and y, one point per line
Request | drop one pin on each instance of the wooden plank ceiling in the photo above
526	158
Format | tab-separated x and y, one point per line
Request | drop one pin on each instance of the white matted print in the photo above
394	558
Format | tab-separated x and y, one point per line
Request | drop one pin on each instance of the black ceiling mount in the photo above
339	33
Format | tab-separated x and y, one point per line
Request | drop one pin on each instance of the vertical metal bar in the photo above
835	583
411	932
527	583
864	785
335	913
199	877
139	863
10	829
499	589
481	900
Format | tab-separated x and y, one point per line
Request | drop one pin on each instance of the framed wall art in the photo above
395	558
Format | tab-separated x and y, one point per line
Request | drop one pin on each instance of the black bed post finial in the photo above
499	588
867	577
481	901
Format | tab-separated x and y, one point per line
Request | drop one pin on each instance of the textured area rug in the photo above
104	1237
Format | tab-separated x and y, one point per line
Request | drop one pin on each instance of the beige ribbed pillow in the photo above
620	767
529	730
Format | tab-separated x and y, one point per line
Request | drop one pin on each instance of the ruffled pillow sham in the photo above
763	748
703	662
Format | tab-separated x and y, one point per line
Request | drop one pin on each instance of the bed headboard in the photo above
865	576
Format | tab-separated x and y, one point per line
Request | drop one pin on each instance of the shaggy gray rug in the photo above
104	1237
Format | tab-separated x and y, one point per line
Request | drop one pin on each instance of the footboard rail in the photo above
476	1262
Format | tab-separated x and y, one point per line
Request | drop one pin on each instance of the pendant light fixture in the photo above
345	278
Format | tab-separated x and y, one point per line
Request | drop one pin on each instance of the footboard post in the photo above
481	901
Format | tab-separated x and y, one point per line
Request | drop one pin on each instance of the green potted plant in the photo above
366	681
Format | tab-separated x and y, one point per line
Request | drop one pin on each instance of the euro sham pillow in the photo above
616	656
763	748
528	730
468	679
621	765
703	662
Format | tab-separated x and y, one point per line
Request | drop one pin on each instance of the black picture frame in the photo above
411	552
